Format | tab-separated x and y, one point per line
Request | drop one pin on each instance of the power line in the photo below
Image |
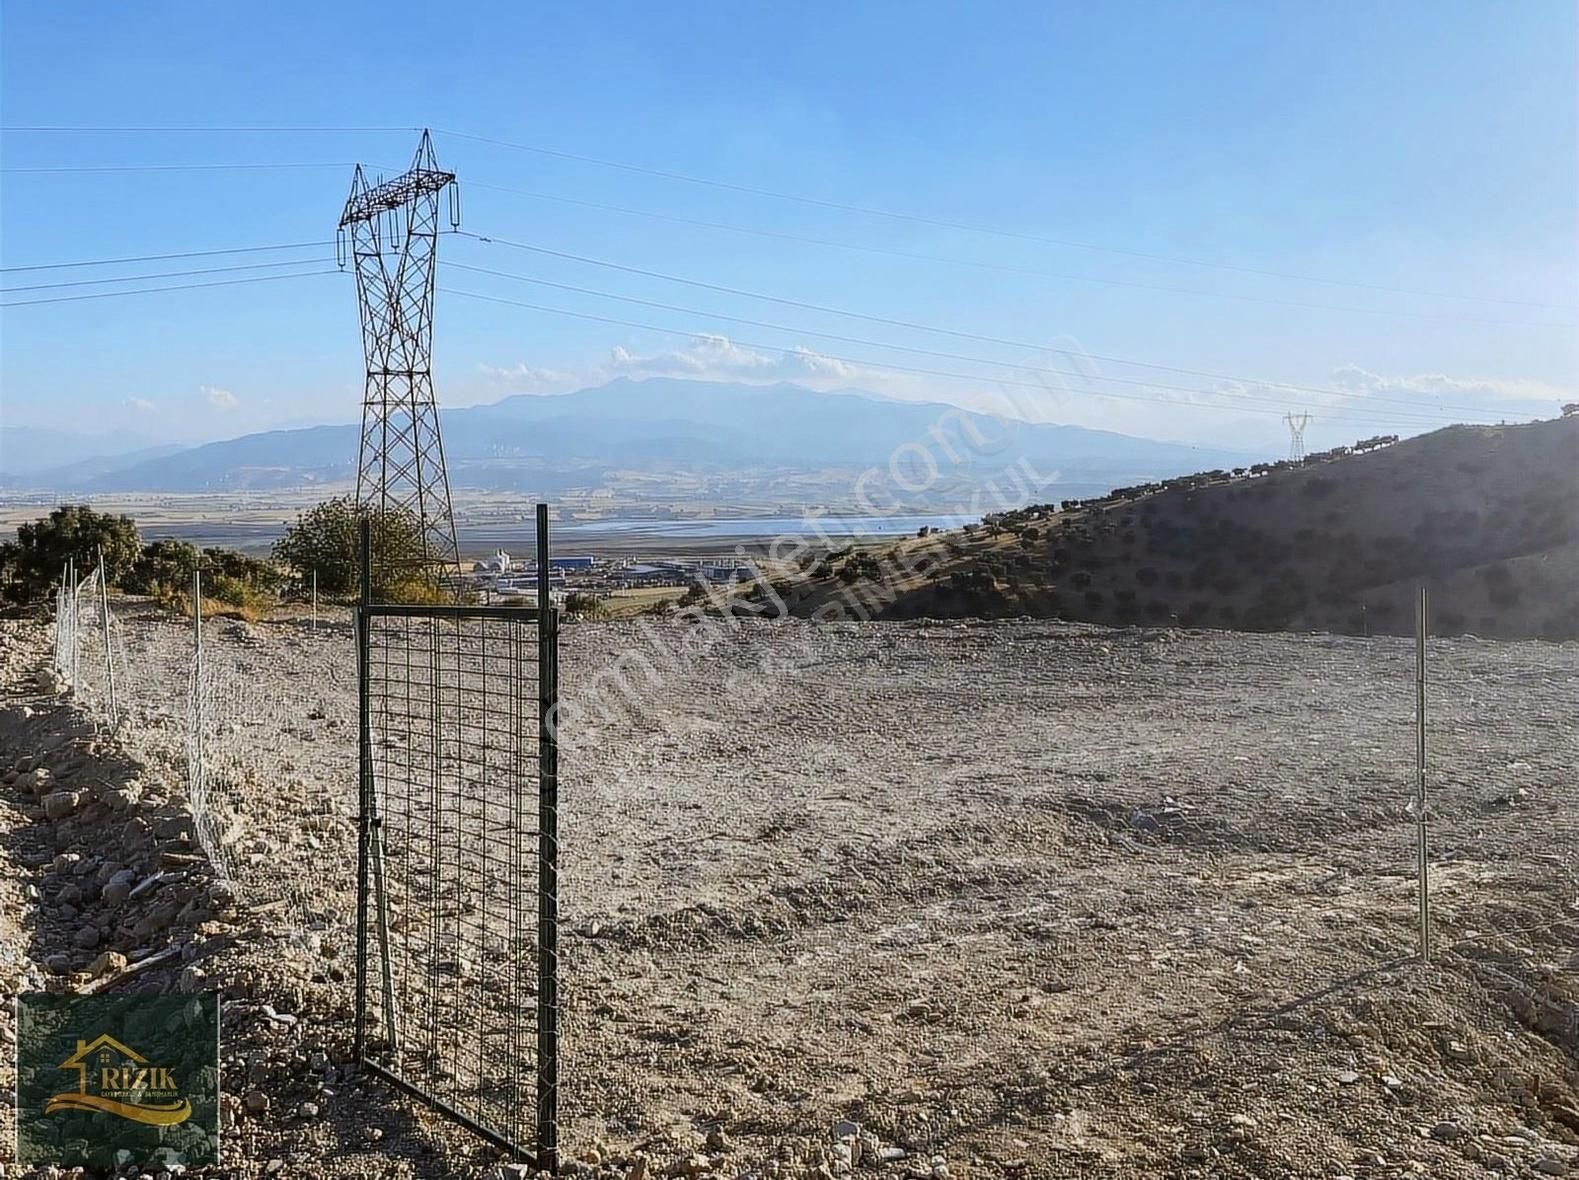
208	130
169	274
906	324
778	235
180	287
797	198
889	367
940	223
163	257
178	167
1422	412
776	195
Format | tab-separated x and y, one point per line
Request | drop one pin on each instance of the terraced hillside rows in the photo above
1482	515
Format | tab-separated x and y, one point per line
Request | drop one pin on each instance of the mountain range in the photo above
544	443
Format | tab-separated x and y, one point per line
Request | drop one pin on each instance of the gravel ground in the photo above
1016	898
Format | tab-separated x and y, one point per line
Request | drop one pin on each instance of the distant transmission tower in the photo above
1296	435
394	233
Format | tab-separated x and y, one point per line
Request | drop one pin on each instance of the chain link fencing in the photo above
893	887
270	766
90	646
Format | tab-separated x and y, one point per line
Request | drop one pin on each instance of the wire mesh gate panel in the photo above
457	957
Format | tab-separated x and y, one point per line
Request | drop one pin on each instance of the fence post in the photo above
547	863
370	842
1421	623
76	625
199	784
315	600
109	647
364	781
60	622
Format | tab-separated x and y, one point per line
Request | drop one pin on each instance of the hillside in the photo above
554	444
1486	517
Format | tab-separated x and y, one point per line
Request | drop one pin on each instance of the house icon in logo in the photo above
114	1078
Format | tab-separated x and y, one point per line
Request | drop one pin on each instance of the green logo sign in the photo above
112	1080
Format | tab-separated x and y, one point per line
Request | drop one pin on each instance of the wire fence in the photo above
910	879
459	1005
90	646
918	880
270	769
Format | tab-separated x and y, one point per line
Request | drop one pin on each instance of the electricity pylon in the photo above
393	228
1296	435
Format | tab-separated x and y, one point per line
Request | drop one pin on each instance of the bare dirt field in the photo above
1009	898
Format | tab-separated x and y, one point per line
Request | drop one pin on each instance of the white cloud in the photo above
1353	377
720	359
1065	385
140	404
220	399
710	358
525	378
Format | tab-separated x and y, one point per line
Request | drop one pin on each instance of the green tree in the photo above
325	539
238	580
72	530
163	568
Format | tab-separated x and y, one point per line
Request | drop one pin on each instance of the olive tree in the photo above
42	546
326	540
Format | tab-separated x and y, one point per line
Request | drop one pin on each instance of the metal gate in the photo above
457	887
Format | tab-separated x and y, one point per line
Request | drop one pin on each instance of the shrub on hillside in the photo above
1319	486
579	602
326	540
32	563
164	567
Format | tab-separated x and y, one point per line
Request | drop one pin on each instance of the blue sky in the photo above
1424	147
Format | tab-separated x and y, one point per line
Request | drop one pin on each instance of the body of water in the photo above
615	536
763	526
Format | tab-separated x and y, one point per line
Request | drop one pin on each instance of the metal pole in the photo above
199	771
315	600
109	647
76	620
1421	622
60	622
547	863
365	783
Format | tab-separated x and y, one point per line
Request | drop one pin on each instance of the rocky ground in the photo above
915	899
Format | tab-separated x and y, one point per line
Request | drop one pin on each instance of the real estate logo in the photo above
118	1080
112	1080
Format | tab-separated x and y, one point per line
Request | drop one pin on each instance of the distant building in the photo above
642	574
499	563
725	573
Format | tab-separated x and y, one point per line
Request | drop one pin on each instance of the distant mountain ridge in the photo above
653	424
26	450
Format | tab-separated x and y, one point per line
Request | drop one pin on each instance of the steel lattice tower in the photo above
393	227
1296	435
